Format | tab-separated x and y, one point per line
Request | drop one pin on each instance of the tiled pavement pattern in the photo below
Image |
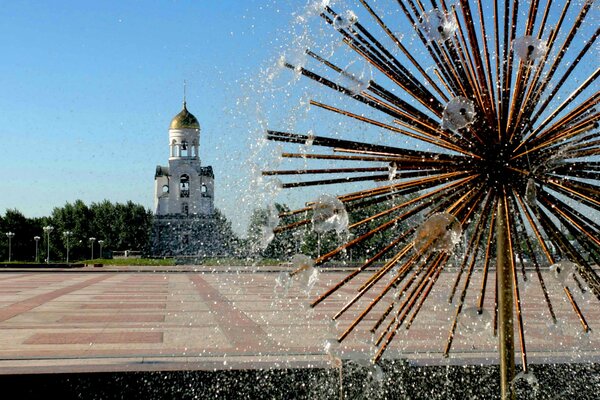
118	319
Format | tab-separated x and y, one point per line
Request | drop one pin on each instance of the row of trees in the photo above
128	226
121	227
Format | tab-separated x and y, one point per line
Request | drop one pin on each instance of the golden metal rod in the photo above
393	78
439	160
488	67
505	302
536	230
495	322
472	247
408	302
334	181
557	207
482	79
355	273
466	64
394	69
442	81
488	258
586	107
584	153
582	127
575	190
377	275
404	50
563	79
498	80
516	296
568	39
431	282
429	138
470	253
441	178
577	310
533	7
381	295
339	157
454	73
544	18
432	48
516	110
522	78
441	260
415	200
367	235
293	225
556	111
534	258
322	171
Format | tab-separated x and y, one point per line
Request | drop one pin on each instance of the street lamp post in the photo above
9	235
92	240
37	252
67	235
48	229
100	242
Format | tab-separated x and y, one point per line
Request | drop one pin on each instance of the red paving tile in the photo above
132	297
241	330
95	337
134	305
33	302
112	318
227	314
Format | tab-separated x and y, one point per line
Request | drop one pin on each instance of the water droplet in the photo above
473	321
441	232
283	282
528	378
376	372
331	347
562	270
529	48
356	77
438	26
392	169
310	138
307	275
329	214
345	20
458	113
531	193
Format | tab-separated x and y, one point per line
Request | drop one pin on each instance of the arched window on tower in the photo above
204	190
185	151
184	186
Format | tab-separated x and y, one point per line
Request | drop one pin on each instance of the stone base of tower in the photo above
190	237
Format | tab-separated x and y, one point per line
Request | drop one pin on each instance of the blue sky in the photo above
89	89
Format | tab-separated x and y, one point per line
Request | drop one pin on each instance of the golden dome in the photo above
184	120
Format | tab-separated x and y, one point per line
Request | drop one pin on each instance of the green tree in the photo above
23	244
76	218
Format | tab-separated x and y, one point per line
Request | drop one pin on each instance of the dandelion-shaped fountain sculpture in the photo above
509	112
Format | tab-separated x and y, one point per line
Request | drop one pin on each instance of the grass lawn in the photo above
131	261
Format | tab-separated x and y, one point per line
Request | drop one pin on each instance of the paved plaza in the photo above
149	318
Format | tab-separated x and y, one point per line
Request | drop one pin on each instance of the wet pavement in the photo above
196	318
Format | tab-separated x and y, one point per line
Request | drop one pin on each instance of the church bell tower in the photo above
184	187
